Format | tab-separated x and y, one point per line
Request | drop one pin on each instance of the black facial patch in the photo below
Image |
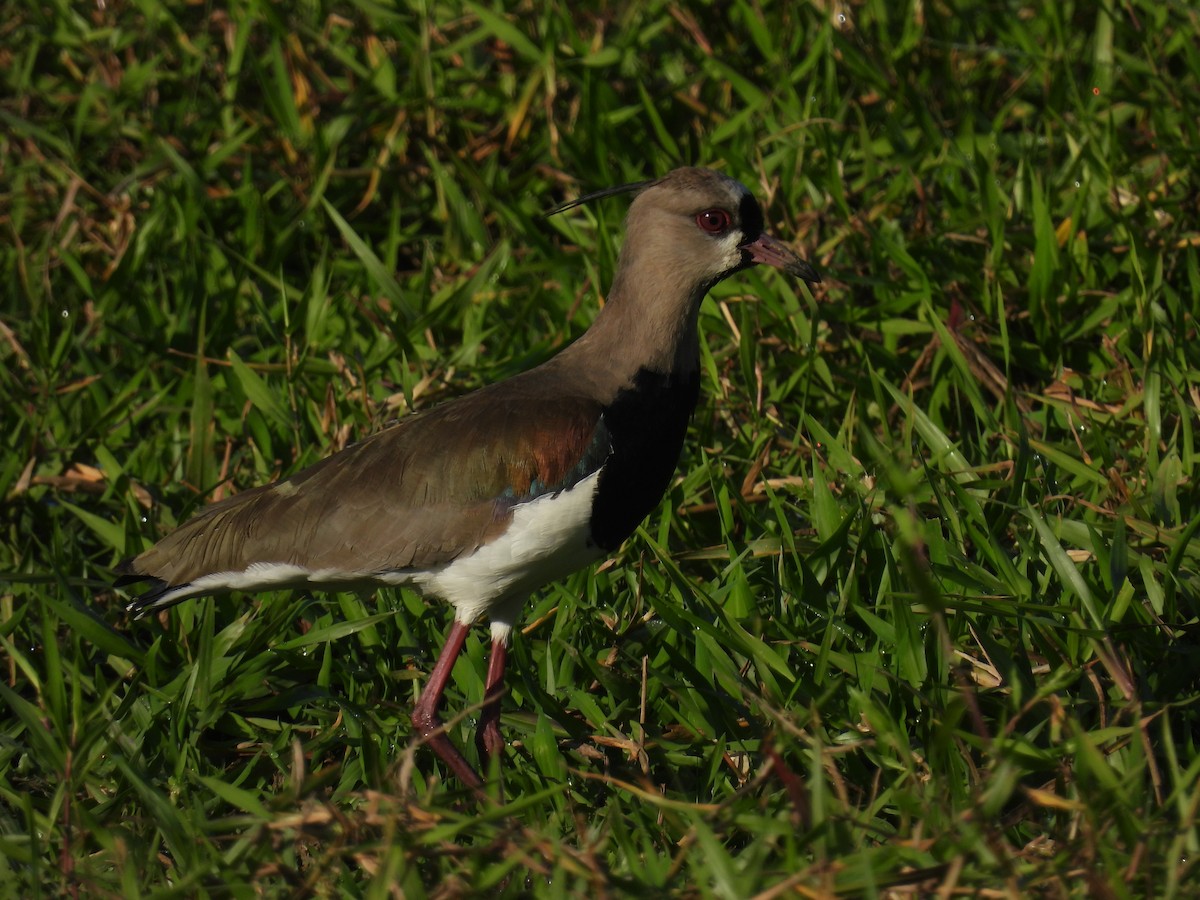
646	424
750	216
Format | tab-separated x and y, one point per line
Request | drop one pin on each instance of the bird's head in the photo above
696	226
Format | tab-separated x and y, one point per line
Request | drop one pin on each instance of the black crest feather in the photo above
630	188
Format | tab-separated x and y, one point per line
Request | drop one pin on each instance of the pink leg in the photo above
488	738
425	716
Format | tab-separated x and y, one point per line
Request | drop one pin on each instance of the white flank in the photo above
547	539
254	577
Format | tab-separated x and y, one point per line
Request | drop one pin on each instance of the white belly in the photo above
547	539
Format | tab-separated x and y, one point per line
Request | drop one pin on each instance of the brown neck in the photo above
651	326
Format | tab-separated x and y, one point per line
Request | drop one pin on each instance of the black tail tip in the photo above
150	600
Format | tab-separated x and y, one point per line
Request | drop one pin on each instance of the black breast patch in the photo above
646	424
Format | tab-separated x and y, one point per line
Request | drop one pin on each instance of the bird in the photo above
483	499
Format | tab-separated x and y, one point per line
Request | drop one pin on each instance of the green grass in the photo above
919	612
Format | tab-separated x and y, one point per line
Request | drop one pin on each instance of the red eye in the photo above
714	221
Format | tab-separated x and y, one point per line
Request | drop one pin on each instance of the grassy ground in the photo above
919	612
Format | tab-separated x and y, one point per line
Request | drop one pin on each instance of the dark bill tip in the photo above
770	251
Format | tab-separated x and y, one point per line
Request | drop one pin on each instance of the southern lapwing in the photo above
488	497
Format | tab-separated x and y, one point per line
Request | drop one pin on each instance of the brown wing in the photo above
433	487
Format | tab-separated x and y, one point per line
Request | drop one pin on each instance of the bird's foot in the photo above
488	739
432	732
